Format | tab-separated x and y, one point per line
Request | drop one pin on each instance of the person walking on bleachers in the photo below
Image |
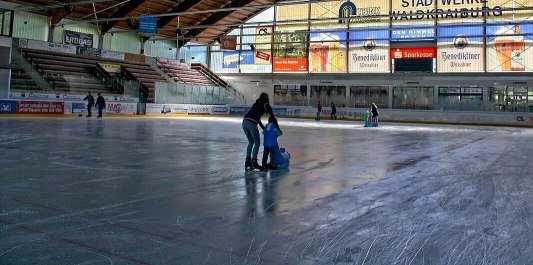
100	104
90	104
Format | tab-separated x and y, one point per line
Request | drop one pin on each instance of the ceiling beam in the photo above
212	19
59	14
122	12
181	7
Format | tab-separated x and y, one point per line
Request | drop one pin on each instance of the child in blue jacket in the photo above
270	143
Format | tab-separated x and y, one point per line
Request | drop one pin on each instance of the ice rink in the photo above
174	191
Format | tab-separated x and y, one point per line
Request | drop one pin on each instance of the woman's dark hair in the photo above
271	119
263	98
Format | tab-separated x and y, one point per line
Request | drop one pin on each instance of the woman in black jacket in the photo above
249	126
375	114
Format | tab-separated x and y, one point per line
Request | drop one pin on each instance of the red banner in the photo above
413	53
262	55
290	64
40	107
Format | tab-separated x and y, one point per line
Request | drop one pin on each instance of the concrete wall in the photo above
5	74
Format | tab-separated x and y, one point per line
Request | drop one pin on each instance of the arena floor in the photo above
174	191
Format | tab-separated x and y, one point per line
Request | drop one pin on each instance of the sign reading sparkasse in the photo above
413	53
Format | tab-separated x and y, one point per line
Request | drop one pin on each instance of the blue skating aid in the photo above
282	158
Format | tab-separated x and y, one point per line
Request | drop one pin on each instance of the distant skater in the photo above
100	103
90	104
375	115
333	111
318	110
249	126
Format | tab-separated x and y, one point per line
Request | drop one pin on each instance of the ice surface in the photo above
174	191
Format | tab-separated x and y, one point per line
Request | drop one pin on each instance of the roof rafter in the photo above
122	12
212	19
181	7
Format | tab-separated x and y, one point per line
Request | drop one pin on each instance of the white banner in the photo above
199	109
64	48
166	108
113	55
121	108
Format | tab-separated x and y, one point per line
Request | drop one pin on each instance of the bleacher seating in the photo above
76	72
20	80
181	73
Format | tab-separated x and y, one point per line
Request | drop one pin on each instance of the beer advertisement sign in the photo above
458	51
327	52
508	50
369	52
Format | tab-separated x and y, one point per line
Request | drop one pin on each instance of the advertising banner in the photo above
326	15
290	52
413	53
508	50
263	46
219	109
228	43
64	48
8	106
78	107
495	12
238	59
364	13
199	109
78	39
112	55
370	53
458	52
112	69
411	20
147	26
121	108
241	110
89	51
327	52
167	108
40	107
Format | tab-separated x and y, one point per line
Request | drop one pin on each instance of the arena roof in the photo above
172	15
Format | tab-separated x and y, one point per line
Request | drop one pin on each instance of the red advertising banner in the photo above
290	64
413	53
228	43
40	107
262	55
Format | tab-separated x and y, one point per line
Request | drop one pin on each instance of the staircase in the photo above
26	76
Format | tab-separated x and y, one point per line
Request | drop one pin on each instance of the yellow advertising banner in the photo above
263	46
325	15
111	68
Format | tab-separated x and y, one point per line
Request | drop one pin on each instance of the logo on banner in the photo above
460	42
220	109
410	53
369	44
348	12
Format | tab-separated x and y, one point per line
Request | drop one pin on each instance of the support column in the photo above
436	105
391	90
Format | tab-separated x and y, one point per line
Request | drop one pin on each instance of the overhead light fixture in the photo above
178	31
252	47
218	40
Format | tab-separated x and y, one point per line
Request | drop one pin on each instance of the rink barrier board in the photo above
11	106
